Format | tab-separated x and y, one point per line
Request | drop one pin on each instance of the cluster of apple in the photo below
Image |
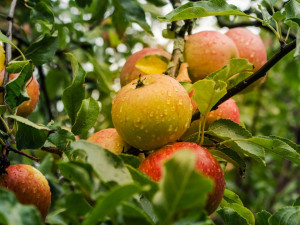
36	191
152	111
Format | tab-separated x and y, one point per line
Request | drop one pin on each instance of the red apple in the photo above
109	139
207	52
151	111
129	71
33	91
29	185
205	164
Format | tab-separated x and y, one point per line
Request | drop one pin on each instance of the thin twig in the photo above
53	150
10	148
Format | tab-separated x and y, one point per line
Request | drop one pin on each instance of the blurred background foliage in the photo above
103	34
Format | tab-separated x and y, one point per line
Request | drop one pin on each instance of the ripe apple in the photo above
151	111
250	47
33	91
29	185
129	71
205	164
226	110
109	139
208	51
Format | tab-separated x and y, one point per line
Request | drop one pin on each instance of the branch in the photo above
53	150
10	148
258	74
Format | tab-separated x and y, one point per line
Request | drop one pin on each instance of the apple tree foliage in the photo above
76	49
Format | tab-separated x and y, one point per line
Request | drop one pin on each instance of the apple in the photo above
226	110
2	57
151	111
29	185
33	91
129	71
250	47
207	52
205	164
109	139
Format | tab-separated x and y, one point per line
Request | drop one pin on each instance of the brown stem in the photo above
53	150
10	148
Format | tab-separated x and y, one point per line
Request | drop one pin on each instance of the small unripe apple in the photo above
205	164
109	139
29	185
33	91
129	71
226	110
207	52
151	111
2	57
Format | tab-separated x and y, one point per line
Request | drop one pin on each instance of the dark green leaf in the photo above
130	160
75	93
98	9
231	217
5	39
292	9
43	50
77	204
110	201
181	188
297	202
157	2
135	216
12	212
56	81
83	3
262	217
61	138
43	13
87	116
16	66
193	10
231	197
286	216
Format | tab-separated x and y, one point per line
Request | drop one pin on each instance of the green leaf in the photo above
61	138
12	212
98	7
135	216
193	10
262	217
109	201
79	173
207	93
231	217
230	197
108	165
181	188
130	160
278	147
29	134
16	89
289	215
56	81
145	64
143	180
16	66
87	116
43	50
267	18
297	202
42	13
77	204
292	9
83	3
133	12
74	94
230	156
229	130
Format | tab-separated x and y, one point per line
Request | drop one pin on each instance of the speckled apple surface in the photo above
150	116
29	185
208	51
109	139
129	72
226	110
205	164
33	91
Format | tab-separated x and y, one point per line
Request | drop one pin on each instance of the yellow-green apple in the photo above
29	185
207	52
151	111
130	72
33	91
205	164
109	139
250	47
2	57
